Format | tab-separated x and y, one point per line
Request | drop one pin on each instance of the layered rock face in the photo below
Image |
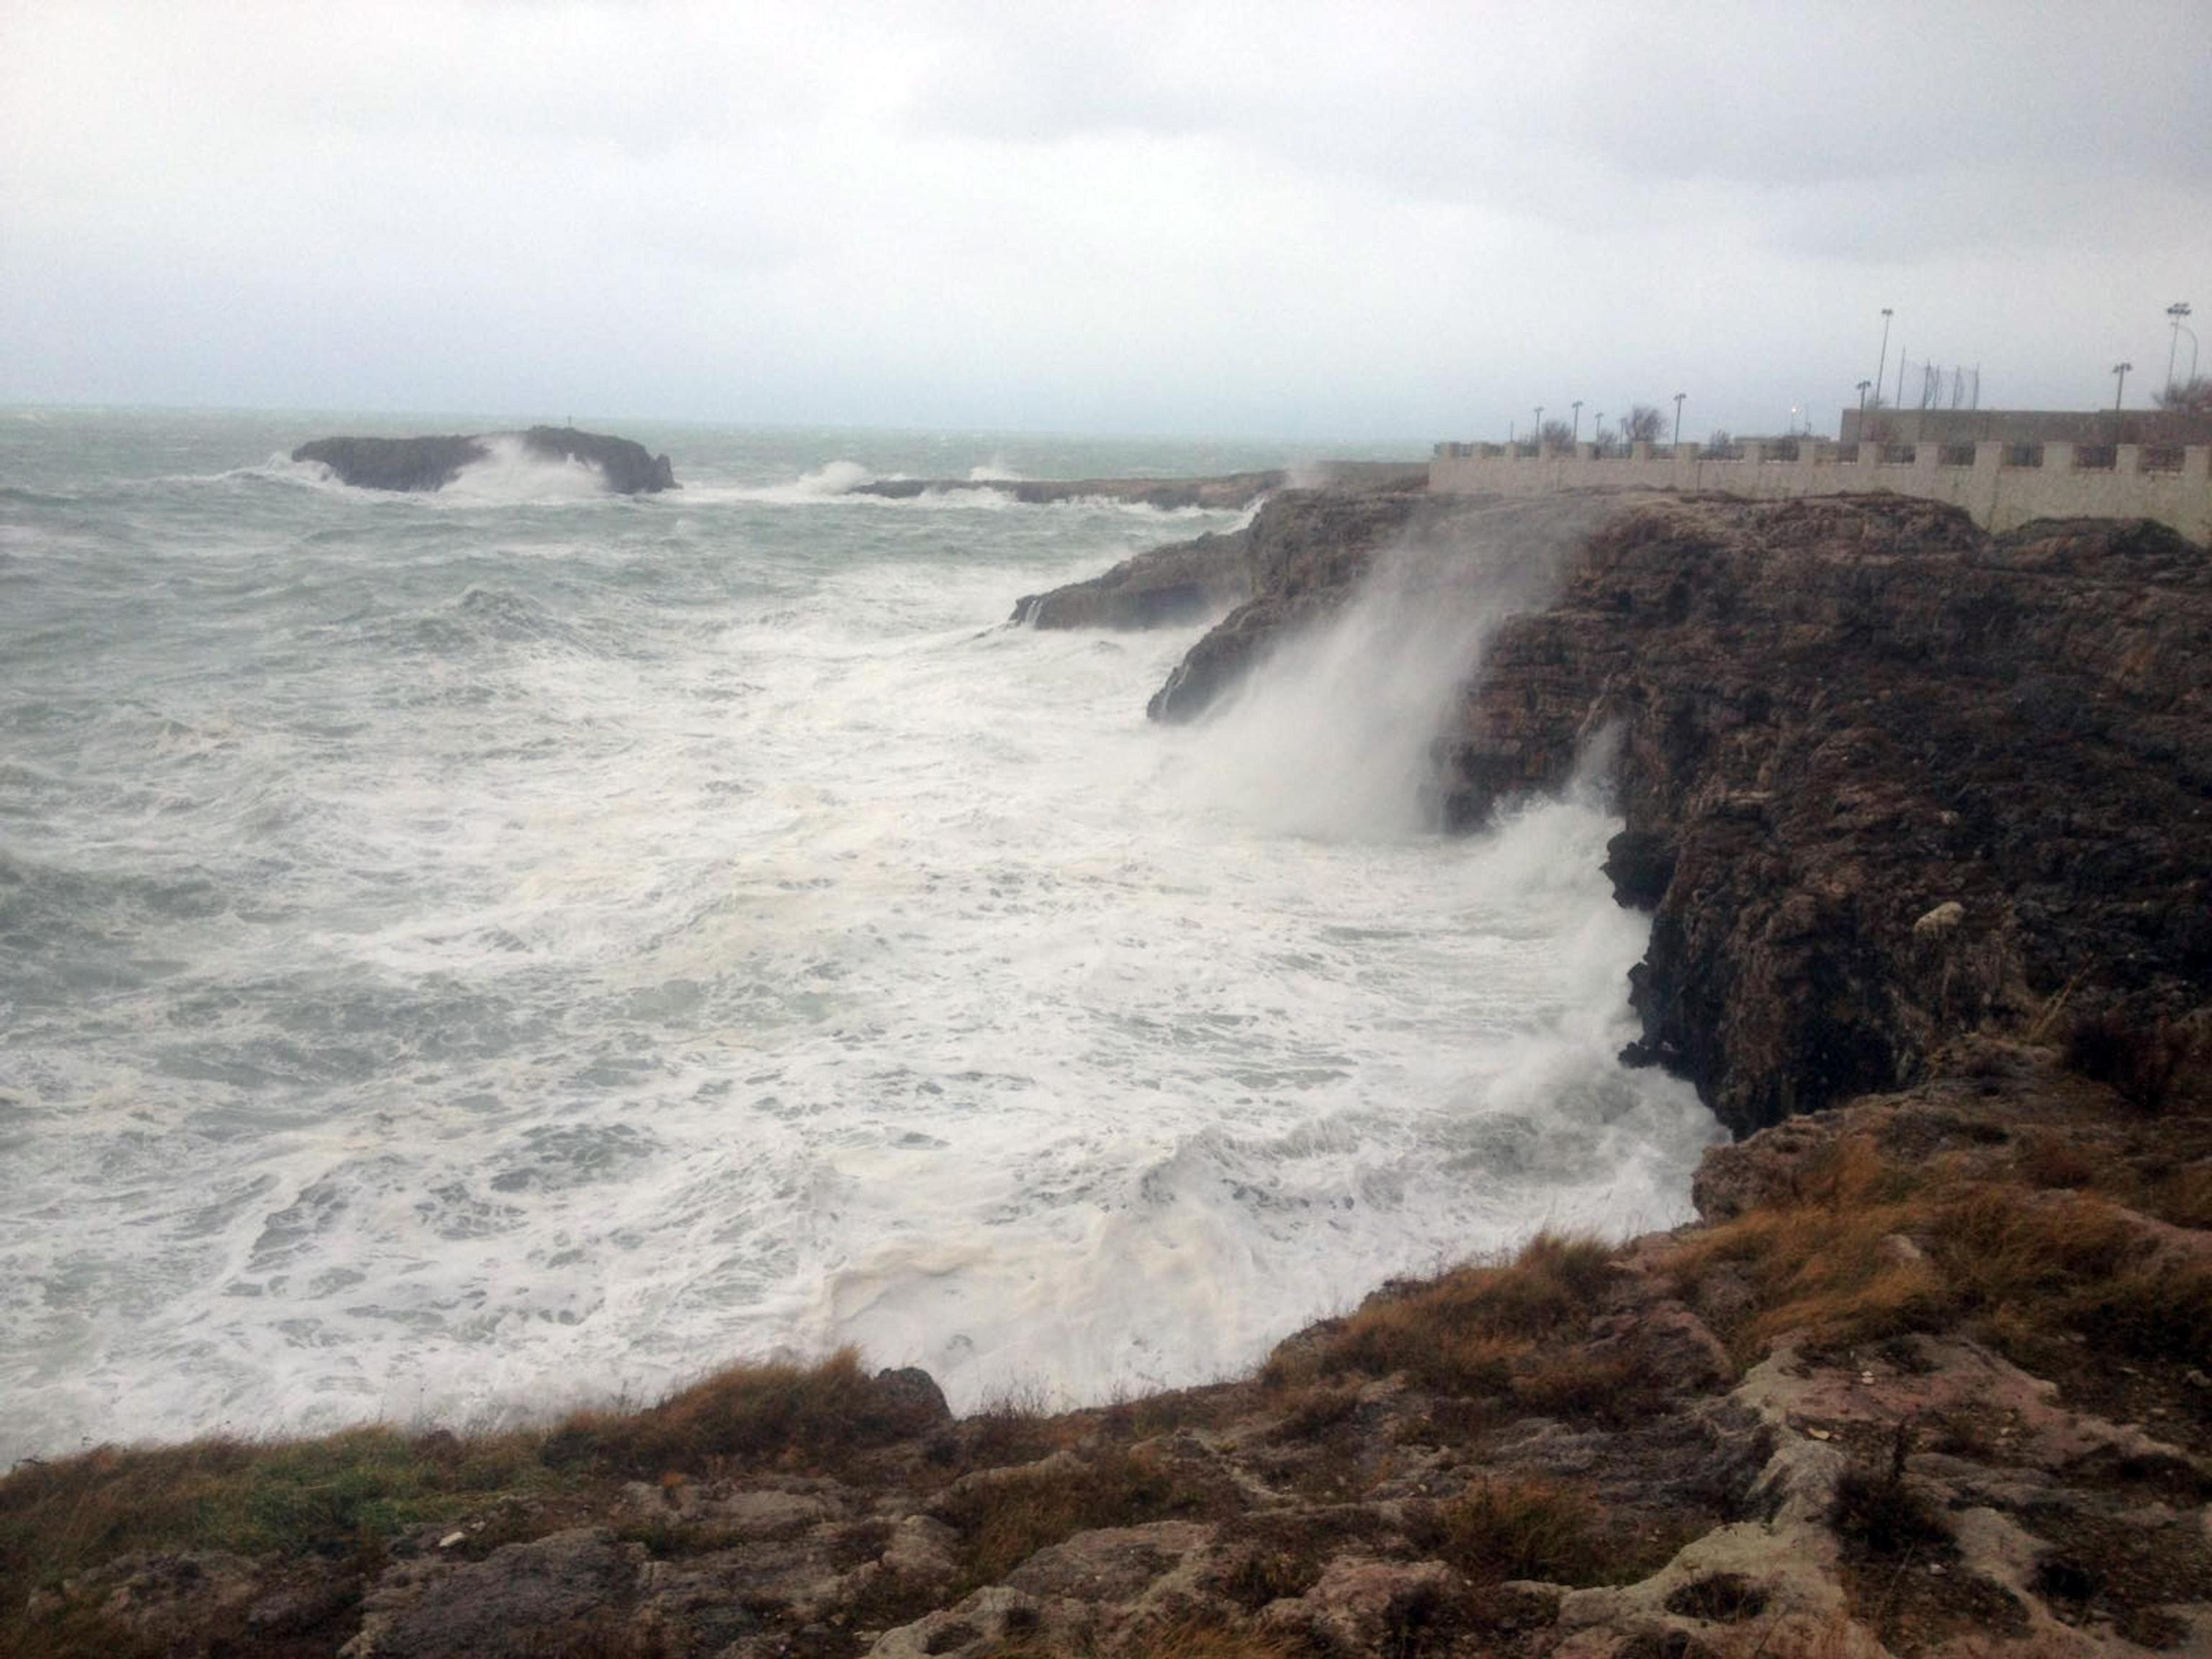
1883	776
1182	582
1226	492
428	464
1302	540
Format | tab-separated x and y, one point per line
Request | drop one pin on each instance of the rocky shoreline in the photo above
1924	818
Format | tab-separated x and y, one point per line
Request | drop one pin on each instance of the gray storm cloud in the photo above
1317	221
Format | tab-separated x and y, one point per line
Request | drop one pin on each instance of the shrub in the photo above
1007	1518
787	1414
2139	1062
1514	1528
1877	1514
1462	1332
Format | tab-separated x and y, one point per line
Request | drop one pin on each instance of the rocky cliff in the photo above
1223	492
1228	492
1885	777
1183	583
428	463
1301	541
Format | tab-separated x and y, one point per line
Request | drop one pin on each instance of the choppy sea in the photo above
469	954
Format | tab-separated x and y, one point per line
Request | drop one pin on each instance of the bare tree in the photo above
1643	425
1558	433
2189	396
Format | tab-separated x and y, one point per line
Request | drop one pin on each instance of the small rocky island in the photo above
1923	816
432	462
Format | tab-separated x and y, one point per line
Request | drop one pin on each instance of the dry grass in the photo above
1506	1529
1004	1520
1194	1637
2047	1159
333	1501
1463	1333
1015	1426
2140	1060
1824	1264
790	1416
1205	1639
320	1498
1617	1390
1871	1249
2185	1198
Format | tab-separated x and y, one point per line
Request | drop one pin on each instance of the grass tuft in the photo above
1464	1332
1504	1528
790	1416
1878	1516
1870	1250
1004	1519
2139	1061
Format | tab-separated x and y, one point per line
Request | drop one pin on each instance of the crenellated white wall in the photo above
2051	481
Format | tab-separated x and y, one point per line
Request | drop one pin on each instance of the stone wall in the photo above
2002	486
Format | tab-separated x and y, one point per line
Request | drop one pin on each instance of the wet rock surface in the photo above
1884	776
1226	492
1455	563
1184	582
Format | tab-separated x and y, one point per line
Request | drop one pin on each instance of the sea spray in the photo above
1332	733
470	956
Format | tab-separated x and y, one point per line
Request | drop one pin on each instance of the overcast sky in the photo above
1312	222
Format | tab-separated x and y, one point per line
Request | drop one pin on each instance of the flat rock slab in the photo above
516	1601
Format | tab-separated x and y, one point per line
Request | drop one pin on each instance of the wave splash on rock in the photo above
427	464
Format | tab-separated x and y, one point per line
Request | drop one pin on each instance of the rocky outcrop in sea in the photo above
432	462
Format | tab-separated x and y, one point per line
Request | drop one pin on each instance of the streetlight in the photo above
1678	417
1863	385
1540	428
1577	407
2178	310
1883	362
2120	373
1597	429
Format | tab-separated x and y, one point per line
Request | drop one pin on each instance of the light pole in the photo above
1597	429
1540	428
1883	362
1577	407
1678	417
2178	310
1863	385
2120	374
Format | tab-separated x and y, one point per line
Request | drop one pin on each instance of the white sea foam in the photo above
831	482
459	983
513	472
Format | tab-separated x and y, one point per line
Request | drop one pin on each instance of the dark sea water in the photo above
467	954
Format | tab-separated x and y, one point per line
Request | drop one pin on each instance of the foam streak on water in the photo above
472	954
